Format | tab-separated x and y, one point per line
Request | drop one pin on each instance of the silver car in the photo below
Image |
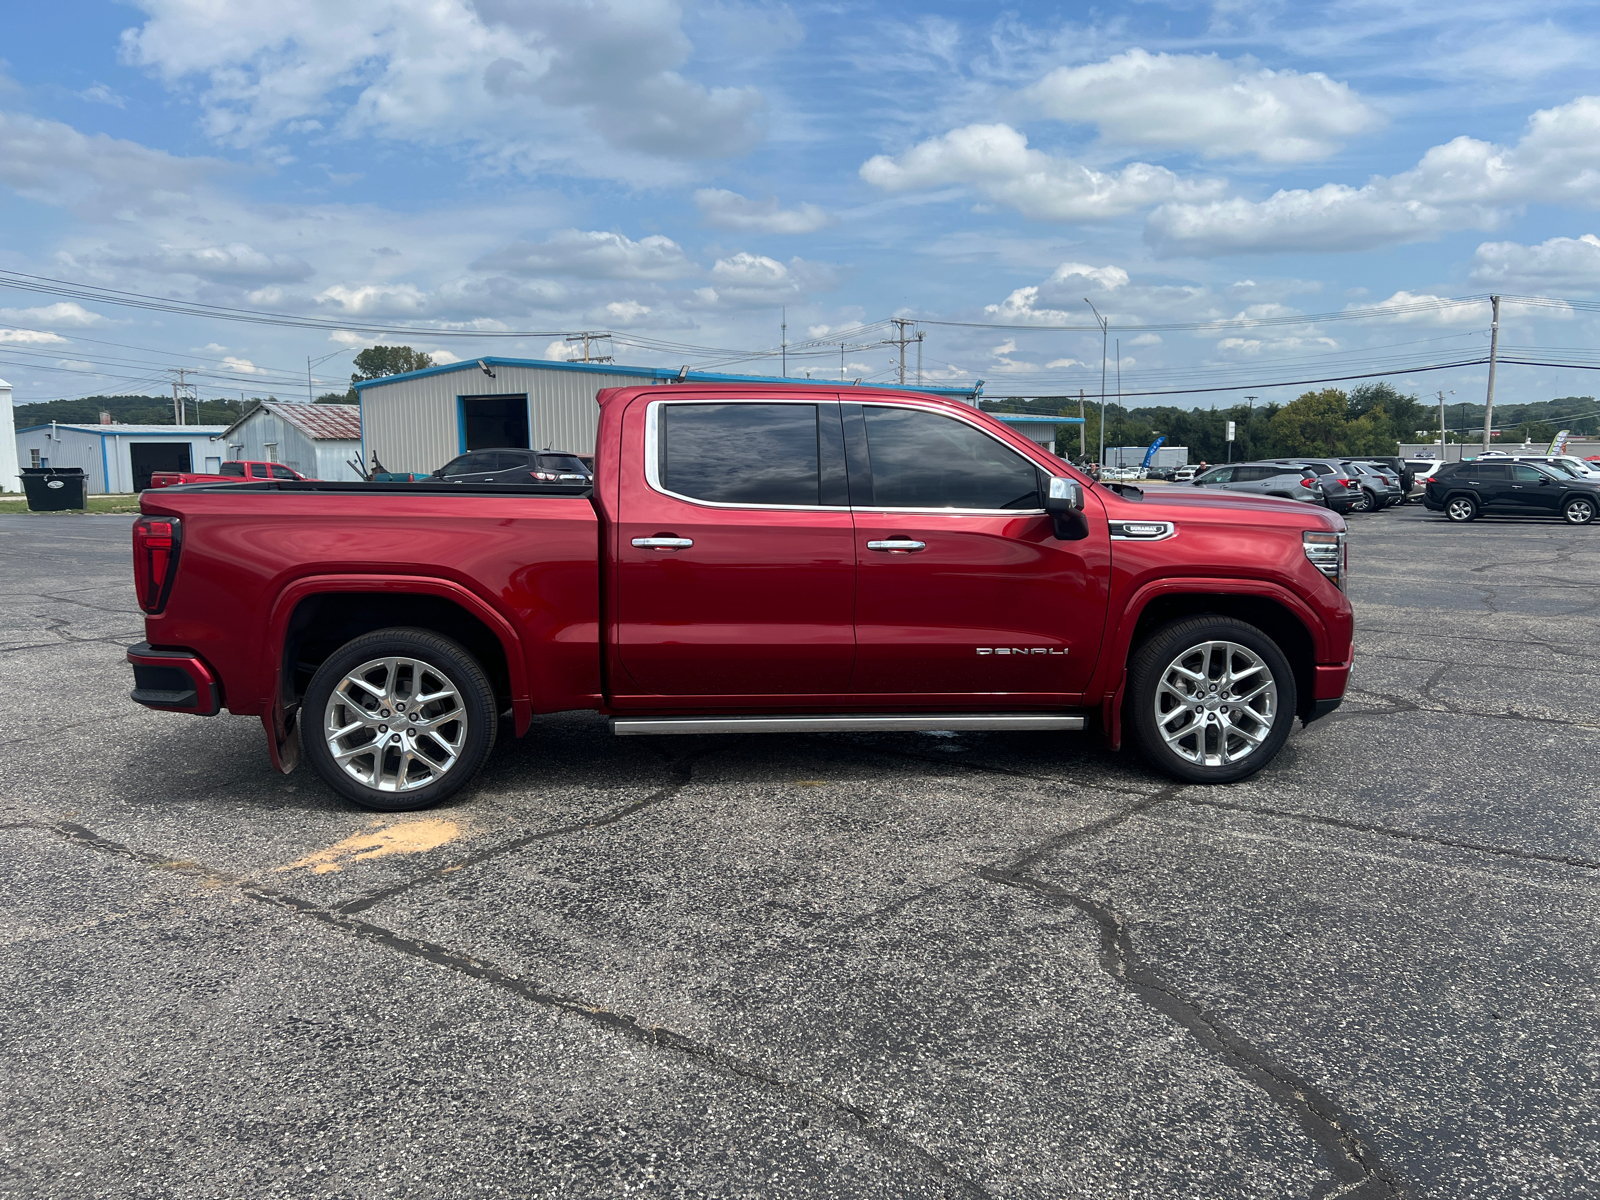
1380	488
1263	479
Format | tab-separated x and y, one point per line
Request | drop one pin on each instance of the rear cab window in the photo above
745	453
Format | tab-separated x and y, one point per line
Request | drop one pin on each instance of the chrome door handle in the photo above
663	543
898	546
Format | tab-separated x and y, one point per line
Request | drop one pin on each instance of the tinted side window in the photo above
924	460
1253	474
1524	474
1489	471
235	469
283	473
741	453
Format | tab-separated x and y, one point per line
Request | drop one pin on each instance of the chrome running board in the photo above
865	723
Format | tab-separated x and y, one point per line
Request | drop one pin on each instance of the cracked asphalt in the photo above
830	966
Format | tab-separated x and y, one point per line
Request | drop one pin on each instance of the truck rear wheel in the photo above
1213	699
398	720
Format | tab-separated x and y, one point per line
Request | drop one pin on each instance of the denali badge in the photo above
1022	650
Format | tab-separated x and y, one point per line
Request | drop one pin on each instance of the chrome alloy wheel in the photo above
1215	703
1461	509
1578	511
395	724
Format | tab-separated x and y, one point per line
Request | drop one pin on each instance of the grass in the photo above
97	504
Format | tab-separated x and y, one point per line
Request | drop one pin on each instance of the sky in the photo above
1251	194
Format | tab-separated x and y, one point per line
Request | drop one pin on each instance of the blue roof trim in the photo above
1023	419
651	374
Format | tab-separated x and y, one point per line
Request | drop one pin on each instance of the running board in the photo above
866	723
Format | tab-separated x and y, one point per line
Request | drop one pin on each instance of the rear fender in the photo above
282	720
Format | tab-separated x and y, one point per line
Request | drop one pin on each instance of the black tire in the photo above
1196	742
446	749
1367	502
1579	510
1461	509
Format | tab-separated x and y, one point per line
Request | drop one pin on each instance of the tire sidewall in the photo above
1160	649
450	659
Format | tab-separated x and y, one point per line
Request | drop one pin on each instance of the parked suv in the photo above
1340	491
1379	489
1390	464
1463	491
510	465
1264	479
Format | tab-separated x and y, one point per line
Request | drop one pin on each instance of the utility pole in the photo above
902	340
785	338
1494	354
1250	424
1443	439
841	362
1120	463
920	336
1083	429
1105	330
183	390
585	339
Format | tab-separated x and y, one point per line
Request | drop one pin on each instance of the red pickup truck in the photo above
749	558
229	472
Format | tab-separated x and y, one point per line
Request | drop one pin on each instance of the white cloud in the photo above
64	314
1201	102
1560	262
1146	339
242	366
1463	184
236	262
96	176
99	93
729	210
1475	315
1061	364
31	337
445	71
374	299
594	255
996	162
746	278
626	312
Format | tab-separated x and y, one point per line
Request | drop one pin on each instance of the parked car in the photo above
1264	479
509	465
226	473
1568	464
1340	490
1380	489
1464	491
1184	473
730	574
1391	464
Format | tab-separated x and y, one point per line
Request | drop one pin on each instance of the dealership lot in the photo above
922	965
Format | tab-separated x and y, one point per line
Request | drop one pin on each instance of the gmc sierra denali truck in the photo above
749	558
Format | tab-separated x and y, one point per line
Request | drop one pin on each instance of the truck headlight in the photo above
1327	553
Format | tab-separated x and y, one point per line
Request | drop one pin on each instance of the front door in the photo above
1532	491
964	594
735	560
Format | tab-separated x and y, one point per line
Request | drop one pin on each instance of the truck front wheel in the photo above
1213	699
398	720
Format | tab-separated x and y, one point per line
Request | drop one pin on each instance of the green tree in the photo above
377	361
1312	425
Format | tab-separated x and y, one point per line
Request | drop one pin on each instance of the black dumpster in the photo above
53	489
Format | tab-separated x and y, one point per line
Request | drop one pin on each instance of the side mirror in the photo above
1063	500
1063	496
1544	481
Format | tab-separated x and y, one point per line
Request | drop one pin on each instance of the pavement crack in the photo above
1355	1163
681	769
850	1117
1409	835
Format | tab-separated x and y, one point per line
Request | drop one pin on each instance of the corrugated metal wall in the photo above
73	450
320	458
413	426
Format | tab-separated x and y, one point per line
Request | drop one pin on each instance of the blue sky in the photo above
678	174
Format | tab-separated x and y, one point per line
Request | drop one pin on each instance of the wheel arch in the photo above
1277	612
313	617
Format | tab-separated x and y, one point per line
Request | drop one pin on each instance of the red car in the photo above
750	558
229	472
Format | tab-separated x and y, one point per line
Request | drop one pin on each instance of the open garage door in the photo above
149	457
488	422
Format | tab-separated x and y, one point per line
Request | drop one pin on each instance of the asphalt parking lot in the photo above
881	966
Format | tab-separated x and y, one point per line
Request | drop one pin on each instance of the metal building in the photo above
10	481
421	420
318	440
120	458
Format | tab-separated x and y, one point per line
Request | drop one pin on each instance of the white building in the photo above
10	481
318	440
120	458
421	420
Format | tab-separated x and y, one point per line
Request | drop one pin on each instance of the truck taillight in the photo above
156	542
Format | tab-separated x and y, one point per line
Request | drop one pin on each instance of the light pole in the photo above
311	395
1105	335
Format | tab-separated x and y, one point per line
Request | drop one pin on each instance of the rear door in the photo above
1492	482
963	592
736	561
